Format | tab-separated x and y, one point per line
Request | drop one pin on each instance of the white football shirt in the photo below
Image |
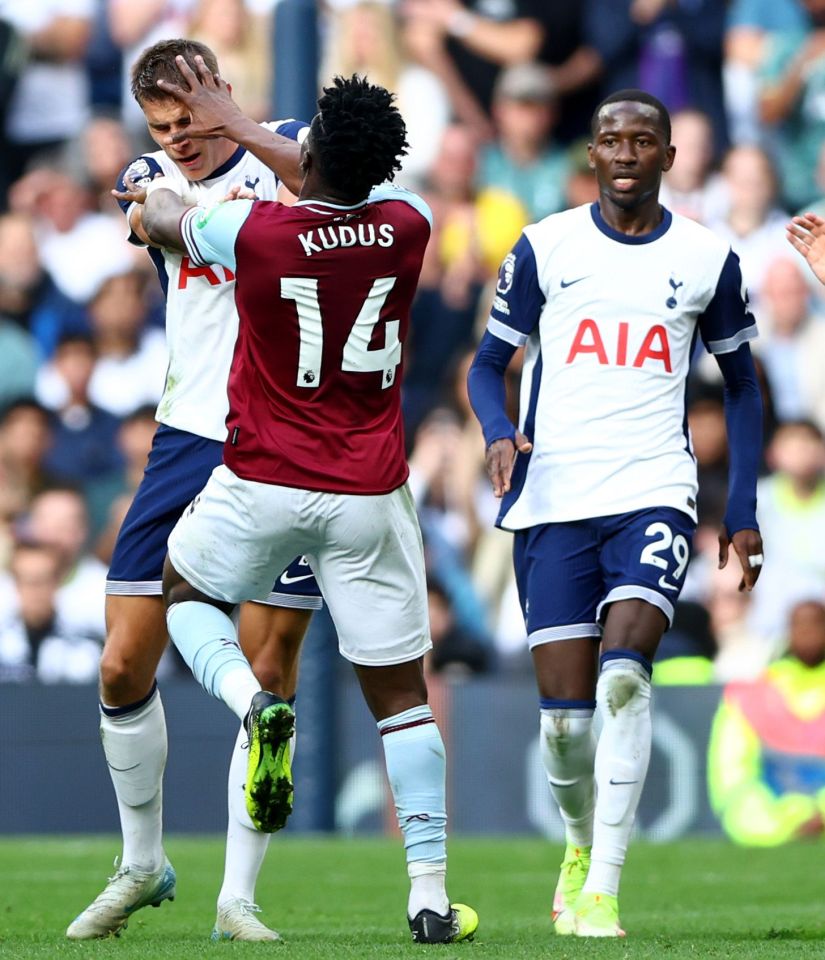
609	323
201	317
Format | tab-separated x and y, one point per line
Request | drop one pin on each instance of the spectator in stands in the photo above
792	343
686	653
19	358
466	44
455	653
766	757
135	26
50	102
443	312
131	355
750	26
671	49
96	156
365	38
34	642
791	514
523	160
753	225
78	248
581	184
27	294
84	447
242	43
691	187
58	517
792	104
25	437
741	652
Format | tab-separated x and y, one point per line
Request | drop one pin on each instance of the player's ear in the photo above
229	88
590	161
670	156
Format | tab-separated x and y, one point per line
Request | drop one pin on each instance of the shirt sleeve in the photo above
518	300
727	323
389	191
141	172
293	129
209	235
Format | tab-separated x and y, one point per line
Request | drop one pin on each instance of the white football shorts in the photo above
236	537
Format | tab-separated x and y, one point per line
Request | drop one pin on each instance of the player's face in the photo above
196	159
629	153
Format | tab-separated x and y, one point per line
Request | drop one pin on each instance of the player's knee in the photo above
119	679
562	733
624	685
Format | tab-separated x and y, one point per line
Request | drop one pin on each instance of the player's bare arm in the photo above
214	113
500	458
807	235
162	212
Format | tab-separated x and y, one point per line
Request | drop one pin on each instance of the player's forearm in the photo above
743	415
161	217
486	388
64	40
280	154
502	43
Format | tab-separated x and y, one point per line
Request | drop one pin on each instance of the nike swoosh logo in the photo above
621	783
286	579
569	283
664	585
122	769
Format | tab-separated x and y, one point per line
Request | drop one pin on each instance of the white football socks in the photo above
134	743
208	641
568	748
245	846
417	771
622	757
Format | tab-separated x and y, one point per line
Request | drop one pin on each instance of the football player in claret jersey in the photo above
314	463
201	329
598	481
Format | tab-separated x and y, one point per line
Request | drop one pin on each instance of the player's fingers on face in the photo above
204	73
187	72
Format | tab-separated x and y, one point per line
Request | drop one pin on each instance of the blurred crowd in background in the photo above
497	95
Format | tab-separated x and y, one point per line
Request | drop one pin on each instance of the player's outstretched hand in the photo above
807	235
208	99
748	547
134	192
499	460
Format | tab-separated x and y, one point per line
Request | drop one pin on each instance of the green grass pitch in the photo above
345	899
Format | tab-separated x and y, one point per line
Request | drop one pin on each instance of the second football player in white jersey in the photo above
201	329
607	301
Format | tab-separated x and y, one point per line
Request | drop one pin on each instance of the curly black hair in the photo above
358	136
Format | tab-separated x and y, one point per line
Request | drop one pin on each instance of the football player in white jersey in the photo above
201	328
598	482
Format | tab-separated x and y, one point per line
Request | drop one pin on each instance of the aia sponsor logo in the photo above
214	275
652	349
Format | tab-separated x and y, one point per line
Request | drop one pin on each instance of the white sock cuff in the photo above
414	717
132	711
570	724
423	868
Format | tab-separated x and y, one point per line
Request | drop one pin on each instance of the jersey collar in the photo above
227	165
608	231
328	207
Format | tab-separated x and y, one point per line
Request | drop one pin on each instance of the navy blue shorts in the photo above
568	573
179	465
